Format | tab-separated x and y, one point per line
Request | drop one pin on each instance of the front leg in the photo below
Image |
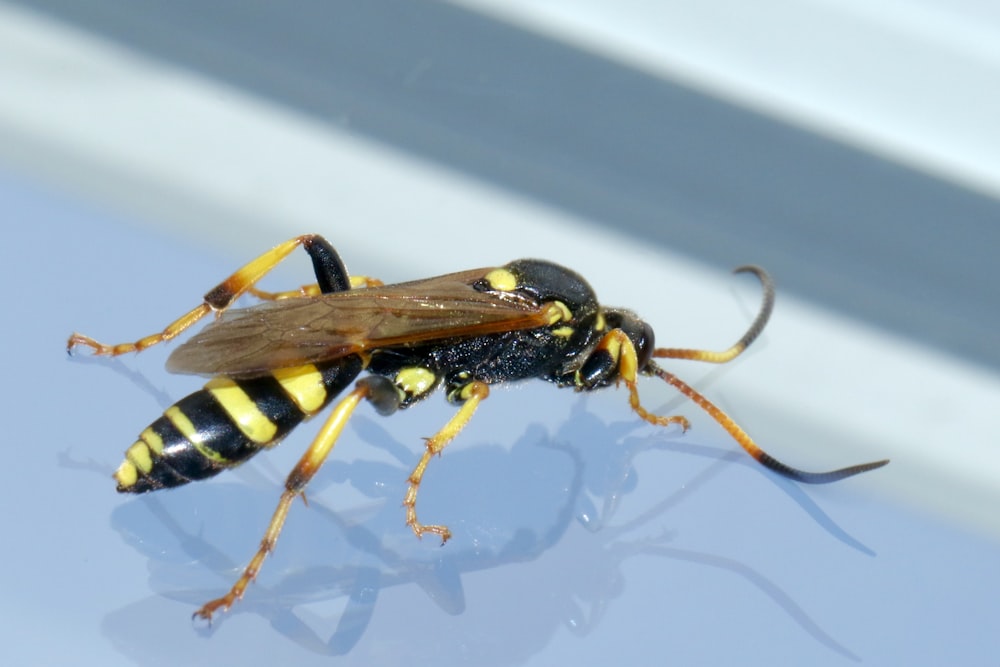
615	360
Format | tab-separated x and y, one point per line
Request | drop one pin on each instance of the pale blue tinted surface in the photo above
581	536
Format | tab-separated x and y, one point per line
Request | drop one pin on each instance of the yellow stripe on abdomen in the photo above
228	421
242	409
304	385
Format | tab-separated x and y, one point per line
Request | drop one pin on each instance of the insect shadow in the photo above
337	563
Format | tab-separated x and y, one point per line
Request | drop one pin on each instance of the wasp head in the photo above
603	364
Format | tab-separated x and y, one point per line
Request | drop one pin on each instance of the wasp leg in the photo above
766	306
619	352
331	276
294	486
312	289
472	395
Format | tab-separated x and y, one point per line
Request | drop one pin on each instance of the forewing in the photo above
277	334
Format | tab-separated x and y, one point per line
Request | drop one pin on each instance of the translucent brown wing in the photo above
251	341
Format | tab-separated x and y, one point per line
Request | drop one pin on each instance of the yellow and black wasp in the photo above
280	362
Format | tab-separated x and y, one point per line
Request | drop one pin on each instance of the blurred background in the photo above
851	148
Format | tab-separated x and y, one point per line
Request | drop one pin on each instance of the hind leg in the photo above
331	276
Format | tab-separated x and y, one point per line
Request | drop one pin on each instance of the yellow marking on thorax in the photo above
304	385
501	280
415	380
563	332
557	311
253	423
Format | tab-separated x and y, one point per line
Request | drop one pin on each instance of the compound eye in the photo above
644	341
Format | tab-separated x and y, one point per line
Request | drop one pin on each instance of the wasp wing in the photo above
252	341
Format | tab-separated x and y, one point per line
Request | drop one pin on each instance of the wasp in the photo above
280	362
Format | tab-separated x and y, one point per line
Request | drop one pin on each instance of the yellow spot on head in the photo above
613	345
501	280
415	380
628	363
600	324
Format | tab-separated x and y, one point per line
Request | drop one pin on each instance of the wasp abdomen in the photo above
227	422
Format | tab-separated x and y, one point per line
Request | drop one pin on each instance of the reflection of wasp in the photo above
278	363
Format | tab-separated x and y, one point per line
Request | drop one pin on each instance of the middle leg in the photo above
472	394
